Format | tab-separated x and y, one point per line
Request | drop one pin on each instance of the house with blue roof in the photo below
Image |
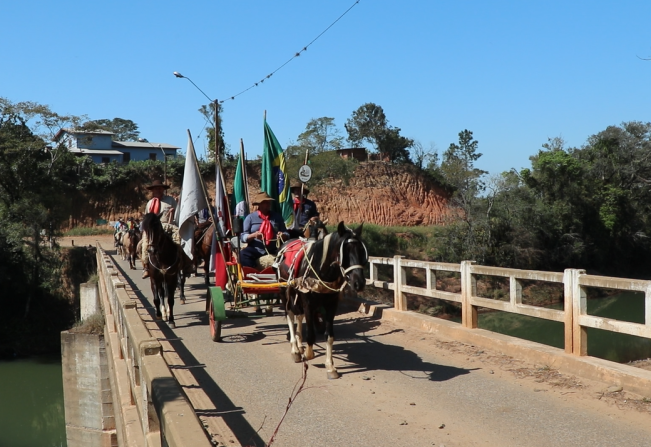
99	145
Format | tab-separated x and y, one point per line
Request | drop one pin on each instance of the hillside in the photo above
378	192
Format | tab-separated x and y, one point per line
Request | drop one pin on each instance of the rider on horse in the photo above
163	206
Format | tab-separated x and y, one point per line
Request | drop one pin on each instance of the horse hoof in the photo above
158	317
297	357
172	325
333	375
182	301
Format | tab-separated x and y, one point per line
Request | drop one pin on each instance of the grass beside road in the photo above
91	231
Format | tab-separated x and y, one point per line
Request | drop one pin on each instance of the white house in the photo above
99	145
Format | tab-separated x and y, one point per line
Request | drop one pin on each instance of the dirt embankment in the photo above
378	193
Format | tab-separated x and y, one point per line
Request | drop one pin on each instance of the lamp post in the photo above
215	104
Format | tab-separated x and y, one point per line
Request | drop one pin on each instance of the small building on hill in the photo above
99	145
358	153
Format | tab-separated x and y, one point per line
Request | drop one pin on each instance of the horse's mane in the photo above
334	245
151	225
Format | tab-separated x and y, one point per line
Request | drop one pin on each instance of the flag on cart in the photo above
274	176
220	253
240	191
193	199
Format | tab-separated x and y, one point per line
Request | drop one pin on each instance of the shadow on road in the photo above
355	344
232	415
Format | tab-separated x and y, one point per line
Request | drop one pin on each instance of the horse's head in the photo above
353	255
316	230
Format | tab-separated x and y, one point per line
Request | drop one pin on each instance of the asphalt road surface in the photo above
399	387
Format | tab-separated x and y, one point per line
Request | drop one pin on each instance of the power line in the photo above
255	84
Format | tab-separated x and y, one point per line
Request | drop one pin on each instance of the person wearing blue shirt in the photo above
262	229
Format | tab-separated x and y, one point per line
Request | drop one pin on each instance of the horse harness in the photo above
165	270
309	284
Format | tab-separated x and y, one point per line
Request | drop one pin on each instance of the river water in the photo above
622	348
31	403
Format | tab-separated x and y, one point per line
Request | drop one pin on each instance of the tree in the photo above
458	170
321	135
208	111
368	124
124	130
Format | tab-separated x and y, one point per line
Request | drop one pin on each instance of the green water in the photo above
31	403
622	348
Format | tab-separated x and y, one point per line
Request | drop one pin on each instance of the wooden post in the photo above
399	279
468	290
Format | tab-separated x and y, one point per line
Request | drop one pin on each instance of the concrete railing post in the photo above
399	279
579	307
515	289
430	276
373	271
568	309
468	290
88	300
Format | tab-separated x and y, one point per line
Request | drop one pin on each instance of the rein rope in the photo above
344	272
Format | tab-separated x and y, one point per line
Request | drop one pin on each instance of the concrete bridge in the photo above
407	379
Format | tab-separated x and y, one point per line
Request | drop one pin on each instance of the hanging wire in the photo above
255	84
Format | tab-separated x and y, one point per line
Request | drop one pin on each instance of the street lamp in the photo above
215	104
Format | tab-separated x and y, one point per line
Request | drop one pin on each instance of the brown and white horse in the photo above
327	266
130	242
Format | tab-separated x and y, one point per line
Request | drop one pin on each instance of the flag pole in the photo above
300	198
214	224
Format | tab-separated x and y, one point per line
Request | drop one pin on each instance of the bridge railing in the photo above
574	315
149	404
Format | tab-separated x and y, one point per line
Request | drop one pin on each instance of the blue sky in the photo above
513	72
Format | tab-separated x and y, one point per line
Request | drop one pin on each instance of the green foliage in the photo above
320	135
124	130
368	124
326	165
208	112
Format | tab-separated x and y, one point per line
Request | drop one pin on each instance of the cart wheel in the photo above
215	326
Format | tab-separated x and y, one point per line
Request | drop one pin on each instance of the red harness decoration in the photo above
292	256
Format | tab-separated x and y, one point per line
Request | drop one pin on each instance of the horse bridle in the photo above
344	272
163	271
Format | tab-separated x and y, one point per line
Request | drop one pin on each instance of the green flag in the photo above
240	191
274	176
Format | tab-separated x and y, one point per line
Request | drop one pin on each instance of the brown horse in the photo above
202	248
129	245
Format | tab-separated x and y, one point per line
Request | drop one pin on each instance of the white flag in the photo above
193	199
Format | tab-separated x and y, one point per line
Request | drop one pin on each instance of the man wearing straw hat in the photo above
264	231
161	205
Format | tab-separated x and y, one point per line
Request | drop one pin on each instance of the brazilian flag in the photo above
274	176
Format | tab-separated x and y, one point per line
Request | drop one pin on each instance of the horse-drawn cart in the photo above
263	287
